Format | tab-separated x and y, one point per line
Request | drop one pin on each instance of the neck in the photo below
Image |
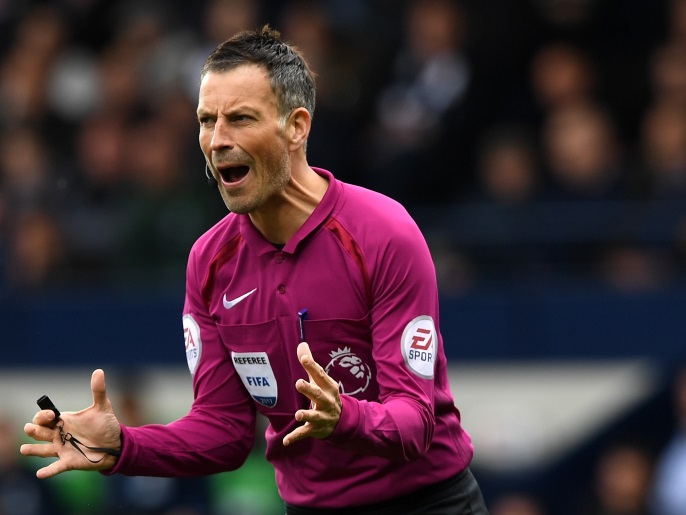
280	219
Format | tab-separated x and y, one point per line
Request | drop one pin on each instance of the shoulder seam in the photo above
353	250
225	253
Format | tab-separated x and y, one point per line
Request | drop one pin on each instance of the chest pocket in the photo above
259	356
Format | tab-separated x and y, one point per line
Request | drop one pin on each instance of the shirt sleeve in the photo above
400	425
218	432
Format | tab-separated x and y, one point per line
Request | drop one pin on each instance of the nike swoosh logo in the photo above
228	304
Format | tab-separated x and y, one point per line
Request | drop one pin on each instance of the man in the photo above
364	418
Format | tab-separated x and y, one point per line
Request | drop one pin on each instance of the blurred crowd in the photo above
531	139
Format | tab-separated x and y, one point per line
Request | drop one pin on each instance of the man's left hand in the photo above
325	408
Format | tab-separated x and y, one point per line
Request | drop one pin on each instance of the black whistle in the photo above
45	403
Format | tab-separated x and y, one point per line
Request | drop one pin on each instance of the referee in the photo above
313	302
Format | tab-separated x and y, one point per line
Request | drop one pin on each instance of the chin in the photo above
239	206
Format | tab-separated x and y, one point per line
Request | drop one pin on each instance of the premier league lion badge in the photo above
347	368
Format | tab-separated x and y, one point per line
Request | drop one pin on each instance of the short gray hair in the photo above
291	79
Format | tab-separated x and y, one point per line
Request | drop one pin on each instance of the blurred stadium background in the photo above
540	145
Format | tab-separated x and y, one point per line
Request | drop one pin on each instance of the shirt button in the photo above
279	258
282	289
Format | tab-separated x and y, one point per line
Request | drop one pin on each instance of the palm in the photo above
92	427
95	426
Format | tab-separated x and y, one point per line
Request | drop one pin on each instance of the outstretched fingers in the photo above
56	467
315	371
322	390
39	450
44	417
40	432
305	357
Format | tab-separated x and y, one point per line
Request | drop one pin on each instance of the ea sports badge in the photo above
419	344
191	337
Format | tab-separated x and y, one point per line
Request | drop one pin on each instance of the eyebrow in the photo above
202	111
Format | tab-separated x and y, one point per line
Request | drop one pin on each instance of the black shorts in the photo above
458	495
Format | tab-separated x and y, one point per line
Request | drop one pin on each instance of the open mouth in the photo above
231	174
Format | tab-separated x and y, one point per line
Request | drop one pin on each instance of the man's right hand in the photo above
95	426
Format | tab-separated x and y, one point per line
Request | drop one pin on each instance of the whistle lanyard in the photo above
68	437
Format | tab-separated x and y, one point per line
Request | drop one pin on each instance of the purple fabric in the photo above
361	268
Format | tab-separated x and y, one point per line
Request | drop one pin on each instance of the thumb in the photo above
98	388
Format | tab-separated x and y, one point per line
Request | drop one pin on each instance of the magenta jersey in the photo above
362	270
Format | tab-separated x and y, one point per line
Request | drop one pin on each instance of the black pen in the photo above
302	316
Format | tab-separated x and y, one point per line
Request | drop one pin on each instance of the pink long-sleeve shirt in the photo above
362	270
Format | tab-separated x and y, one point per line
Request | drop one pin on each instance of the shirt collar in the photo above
320	214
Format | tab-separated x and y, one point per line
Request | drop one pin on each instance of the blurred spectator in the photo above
100	155
586	163
517	503
584	170
508	182
224	18
455	272
583	156
92	220
676	30
32	192
36	252
119	74
623	476
166	208
567	16
668	74
635	268
422	108
338	70
562	75
21	493
663	150
221	19
431	73
669	488
73	89
507	167
26	67
26	175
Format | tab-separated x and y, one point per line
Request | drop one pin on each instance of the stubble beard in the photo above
277	176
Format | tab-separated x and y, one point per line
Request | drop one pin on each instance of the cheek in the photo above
205	141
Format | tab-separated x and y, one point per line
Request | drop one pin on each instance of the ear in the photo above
298	128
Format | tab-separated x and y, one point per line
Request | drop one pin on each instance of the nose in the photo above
222	136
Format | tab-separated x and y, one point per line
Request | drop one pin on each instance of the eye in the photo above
204	121
241	118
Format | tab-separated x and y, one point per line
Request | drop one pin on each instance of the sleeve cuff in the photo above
128	451
349	423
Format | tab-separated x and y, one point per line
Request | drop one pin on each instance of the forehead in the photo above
246	84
